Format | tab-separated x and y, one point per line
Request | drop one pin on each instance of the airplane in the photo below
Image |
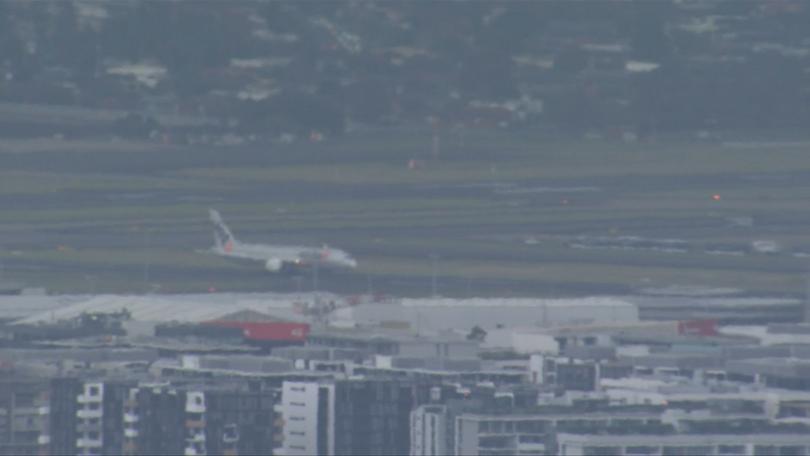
277	258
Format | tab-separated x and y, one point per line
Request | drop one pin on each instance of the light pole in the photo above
433	276
315	277
146	233
807	301
91	282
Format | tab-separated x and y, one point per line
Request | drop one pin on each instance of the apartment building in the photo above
351	417
87	416
683	444
24	415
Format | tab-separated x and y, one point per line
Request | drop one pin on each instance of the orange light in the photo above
716	197
212	290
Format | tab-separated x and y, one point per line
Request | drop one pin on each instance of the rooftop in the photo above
189	308
516	302
379	334
682	439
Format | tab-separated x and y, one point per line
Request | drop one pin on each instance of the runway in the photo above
133	221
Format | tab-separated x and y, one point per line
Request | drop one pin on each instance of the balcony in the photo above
131	417
88	443
192	451
87	399
85	414
44	440
23	424
130	433
84	427
197	437
23	411
531	447
195	408
230	434
195	402
195	424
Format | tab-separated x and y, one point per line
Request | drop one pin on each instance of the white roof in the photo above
20	306
166	308
516	302
634	383
209	306
765	338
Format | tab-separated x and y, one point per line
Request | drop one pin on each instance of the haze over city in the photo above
363	227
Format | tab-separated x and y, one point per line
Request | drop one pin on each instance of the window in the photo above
531	439
602	451
491	442
791	450
765	450
731	449
24	399
94	391
691	450
641	449
698	450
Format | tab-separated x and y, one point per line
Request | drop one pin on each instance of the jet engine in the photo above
274	265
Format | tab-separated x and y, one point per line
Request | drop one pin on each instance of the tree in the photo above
648	36
477	334
135	125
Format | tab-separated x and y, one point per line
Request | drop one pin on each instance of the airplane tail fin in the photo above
223	238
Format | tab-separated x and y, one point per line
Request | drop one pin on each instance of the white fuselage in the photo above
277	257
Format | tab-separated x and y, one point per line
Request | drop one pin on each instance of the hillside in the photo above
629	69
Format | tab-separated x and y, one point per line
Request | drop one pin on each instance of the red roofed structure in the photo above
264	329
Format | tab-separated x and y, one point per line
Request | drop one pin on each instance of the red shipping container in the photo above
698	327
268	331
